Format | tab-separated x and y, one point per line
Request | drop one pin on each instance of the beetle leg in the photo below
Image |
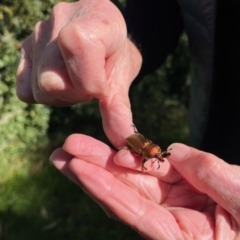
158	164
158	160
143	167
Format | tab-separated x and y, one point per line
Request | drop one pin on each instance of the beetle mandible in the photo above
144	147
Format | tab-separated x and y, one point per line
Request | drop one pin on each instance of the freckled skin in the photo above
146	148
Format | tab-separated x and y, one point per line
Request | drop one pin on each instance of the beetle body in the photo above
146	148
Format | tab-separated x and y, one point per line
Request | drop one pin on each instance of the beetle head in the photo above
159	156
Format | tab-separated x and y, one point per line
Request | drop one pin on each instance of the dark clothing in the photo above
214	41
222	135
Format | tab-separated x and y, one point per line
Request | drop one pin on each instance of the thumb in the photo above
210	175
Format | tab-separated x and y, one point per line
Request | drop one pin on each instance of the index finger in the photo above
97	153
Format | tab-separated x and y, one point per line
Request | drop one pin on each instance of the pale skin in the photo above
82	52
194	195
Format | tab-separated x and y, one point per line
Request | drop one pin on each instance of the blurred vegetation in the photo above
36	201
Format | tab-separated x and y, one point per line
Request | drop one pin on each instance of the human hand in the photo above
194	195
81	52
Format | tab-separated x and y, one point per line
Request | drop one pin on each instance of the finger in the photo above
149	219
165	173
52	72
126	203
28	89
86	44
40	39
98	153
61	161
100	65
49	79
226	225
210	175
24	73
116	108
117	119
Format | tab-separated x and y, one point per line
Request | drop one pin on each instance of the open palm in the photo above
159	204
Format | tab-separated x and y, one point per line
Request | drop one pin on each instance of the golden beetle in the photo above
144	147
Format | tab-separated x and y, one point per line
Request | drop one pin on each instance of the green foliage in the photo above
160	100
36	201
20	124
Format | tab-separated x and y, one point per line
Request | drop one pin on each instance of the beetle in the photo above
144	147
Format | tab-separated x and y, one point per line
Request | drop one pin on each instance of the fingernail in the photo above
59	164
179	152
57	161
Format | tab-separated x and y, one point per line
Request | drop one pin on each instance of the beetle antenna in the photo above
166	153
160	156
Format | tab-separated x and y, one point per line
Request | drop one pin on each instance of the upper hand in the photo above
81	52
194	195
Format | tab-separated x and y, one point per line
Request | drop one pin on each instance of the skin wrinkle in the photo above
156	223
206	229
136	182
152	218
129	199
115	116
146	190
84	42
236	189
163	203
206	177
117	104
99	21
193	230
119	29
111	46
95	10
117	69
84	10
57	21
210	206
223	219
140	213
115	89
211	184
135	209
106	195
129	182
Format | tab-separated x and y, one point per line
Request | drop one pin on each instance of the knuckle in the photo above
59	9
81	33
207	166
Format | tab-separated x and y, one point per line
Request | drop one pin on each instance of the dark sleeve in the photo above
155	27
